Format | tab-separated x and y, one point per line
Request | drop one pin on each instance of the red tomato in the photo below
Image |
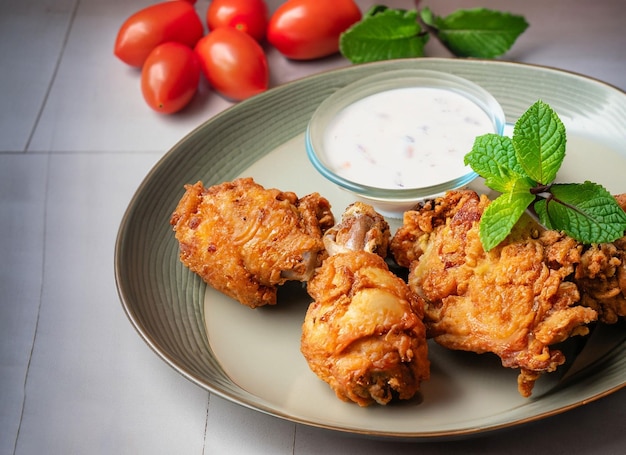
309	29
170	77
156	24
233	63
250	16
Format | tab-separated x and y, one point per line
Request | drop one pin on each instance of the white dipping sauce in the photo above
405	138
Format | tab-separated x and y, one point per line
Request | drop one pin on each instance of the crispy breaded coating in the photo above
245	240
514	301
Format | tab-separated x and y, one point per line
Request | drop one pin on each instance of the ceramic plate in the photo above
252	357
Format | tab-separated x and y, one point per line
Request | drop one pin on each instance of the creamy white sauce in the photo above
405	138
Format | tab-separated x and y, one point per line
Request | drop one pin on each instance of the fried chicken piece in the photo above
601	277
363	334
245	240
514	301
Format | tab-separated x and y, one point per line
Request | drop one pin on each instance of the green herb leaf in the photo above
539	141
493	156
428	18
501	215
383	34
587	212
477	32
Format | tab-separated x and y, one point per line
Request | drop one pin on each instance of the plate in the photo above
251	357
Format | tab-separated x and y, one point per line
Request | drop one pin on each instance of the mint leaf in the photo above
587	212
501	215
383	34
539	141
428	18
477	32
493	157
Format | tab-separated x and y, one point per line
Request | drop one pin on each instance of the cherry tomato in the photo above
309	29
170	77
147	28
250	16
233	63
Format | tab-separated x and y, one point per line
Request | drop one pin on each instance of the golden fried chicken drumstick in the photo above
514	301
245	240
363	334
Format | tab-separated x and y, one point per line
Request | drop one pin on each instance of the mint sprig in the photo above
523	168
385	33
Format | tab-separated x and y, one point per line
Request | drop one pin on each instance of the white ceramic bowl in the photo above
399	137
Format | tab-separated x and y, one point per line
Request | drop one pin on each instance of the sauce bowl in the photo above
396	138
